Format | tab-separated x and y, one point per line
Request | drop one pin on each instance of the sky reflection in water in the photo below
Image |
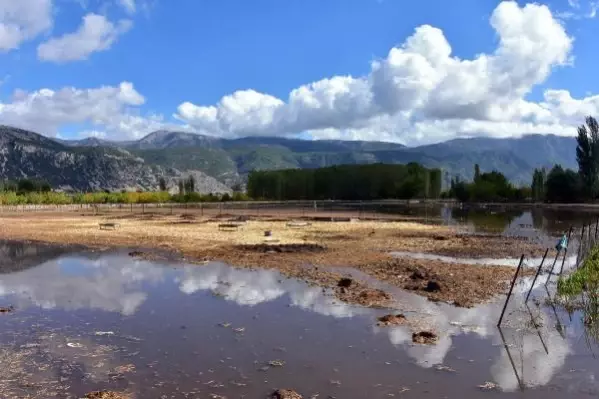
119	284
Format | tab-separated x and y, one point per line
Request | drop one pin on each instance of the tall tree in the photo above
587	156
162	184
476	172
181	187
538	184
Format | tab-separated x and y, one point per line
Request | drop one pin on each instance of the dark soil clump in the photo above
432	286
345	282
425	338
285	394
391	320
284	248
8	309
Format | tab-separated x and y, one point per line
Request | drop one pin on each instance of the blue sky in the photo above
122	68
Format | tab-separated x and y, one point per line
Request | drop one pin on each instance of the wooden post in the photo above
580	245
509	295
537	275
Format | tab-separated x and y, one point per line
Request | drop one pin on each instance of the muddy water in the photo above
86	321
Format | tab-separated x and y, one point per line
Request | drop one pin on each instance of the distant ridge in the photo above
223	163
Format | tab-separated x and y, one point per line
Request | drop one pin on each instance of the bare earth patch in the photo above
298	251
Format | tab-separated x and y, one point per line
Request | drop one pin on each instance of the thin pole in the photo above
509	354
565	251
552	266
580	245
509	295
537	275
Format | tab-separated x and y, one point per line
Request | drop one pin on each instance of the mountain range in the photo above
219	164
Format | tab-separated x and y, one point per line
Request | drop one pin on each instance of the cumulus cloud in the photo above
22	20
95	34
46	110
420	90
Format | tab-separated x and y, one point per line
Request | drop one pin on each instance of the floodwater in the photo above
84	321
524	220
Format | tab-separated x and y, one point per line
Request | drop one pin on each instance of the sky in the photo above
386	70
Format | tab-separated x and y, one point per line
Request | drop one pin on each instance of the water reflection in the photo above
532	350
109	283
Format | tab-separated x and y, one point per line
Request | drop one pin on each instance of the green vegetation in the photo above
559	185
486	187
30	192
580	290
347	182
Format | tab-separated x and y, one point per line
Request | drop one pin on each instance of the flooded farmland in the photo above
78	321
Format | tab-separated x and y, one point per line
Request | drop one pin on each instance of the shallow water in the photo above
86	321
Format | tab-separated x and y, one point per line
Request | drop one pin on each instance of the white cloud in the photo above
22	20
128	5
95	34
112	108
420	92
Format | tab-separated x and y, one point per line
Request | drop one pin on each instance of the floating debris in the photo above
106	395
440	367
74	345
225	325
8	309
489	386
276	363
239	329
101	333
126	368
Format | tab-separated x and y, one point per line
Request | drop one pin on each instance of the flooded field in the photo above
85	321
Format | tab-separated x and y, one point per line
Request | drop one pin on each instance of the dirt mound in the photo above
283	248
391	320
364	296
285	394
425	338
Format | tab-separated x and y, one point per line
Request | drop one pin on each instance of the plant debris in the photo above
106	395
285	394
489	386
276	363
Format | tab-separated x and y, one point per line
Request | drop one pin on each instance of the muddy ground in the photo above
301	250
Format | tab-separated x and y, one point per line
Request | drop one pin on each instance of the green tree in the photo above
538	184
181	187
190	184
162	184
476	172
587	156
563	185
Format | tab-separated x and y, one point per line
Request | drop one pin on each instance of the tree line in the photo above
346	182
567	185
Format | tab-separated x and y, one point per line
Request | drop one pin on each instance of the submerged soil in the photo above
298	251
